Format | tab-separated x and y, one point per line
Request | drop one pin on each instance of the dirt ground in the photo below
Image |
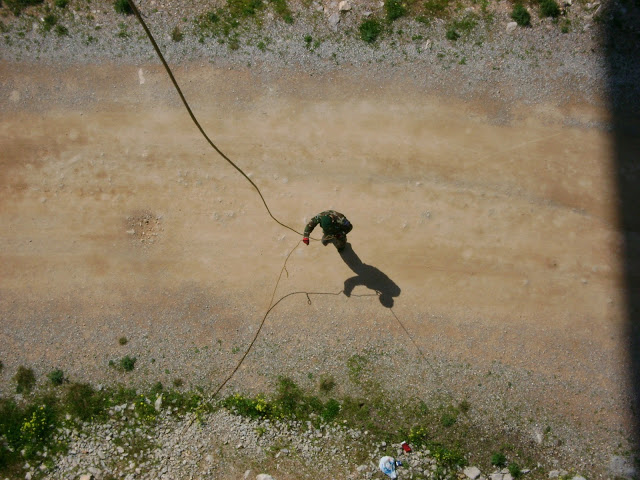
493	226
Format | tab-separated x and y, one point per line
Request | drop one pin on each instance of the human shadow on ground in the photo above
369	277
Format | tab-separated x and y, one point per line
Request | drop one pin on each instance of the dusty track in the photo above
497	223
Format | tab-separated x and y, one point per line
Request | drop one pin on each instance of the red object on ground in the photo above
405	446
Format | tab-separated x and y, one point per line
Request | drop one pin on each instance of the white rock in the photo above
158	403
621	467
246	474
334	20
344	6
264	476
86	476
427	45
496	476
578	477
511	26
554	474
472	472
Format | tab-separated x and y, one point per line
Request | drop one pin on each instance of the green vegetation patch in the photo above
521	15
17	6
370	30
395	9
436	8
25	380
123	7
549	8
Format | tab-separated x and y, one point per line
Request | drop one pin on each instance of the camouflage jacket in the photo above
332	223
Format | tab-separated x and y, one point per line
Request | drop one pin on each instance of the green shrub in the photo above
176	34
498	459
17	6
452	34
61	3
327	384
394	9
1	366
123	340
448	419
177	382
514	470
83	401
331	410
56	377
25	380
521	15
370	30
244	8
123	7
128	363
436	8
49	22
61	30
549	8
466	24
282	9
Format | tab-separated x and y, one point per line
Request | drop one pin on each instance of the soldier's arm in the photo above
311	225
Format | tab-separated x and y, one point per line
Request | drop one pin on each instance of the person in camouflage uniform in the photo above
335	227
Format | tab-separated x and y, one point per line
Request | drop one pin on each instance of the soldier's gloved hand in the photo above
306	240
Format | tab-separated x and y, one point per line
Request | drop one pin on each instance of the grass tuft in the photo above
549	8
123	7
521	15
25	380
56	377
370	30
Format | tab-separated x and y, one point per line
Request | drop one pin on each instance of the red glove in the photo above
306	240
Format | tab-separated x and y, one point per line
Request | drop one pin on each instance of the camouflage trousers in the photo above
339	240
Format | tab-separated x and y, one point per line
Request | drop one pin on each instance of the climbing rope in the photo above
272	305
193	117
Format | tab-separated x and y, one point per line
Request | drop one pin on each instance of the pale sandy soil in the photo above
495	226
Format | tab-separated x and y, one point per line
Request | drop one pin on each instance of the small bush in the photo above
394	9
177	382
49	22
452	34
123	340
176	34
330	410
549	8
83	402
436	8
17	6
25	380
128	363
61	3
61	30
514	470
498	459
1	366
521	15
282	9
327	384
370	30
244	8
123	7
448	419
56	377
464	406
